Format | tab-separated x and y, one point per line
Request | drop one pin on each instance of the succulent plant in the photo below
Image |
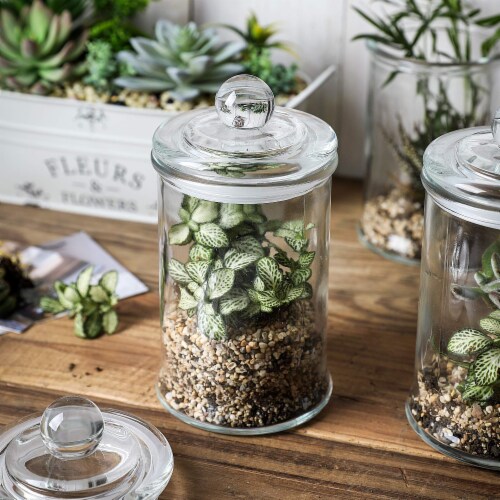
483	375
92	306
185	60
100	65
13	280
233	270
38	48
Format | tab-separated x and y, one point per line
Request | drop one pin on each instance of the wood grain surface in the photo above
360	446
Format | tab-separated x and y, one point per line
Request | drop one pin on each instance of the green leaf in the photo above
486	367
269	272
466	292
93	325
298	243
495	314
468	341
495	299
220	282
231	215
211	235
83	281
268	300
495	265
306	259
110	322
492	286
480	278
179	234
109	281
308	291
71	294
487	258
294	293
79	326
491	325
477	393
177	272
98	294
187	301
239	260
200	252
198	270
206	211
301	275
282	258
235	300
249	244
258	284
211	325
297	226
190	203
50	305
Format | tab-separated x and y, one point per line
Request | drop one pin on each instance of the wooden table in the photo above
359	447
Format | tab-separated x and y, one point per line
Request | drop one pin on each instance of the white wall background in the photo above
321	32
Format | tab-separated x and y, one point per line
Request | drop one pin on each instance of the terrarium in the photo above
244	216
455	402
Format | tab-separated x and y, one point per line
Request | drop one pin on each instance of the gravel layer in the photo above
438	408
261	375
394	223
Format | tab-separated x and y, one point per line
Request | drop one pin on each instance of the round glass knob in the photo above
495	127
244	102
72	427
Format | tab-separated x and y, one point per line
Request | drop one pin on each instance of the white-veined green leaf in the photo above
495	314
249	244
83	281
93	325
480	278
477	393
211	235
177	272
189	203
310	226
210	325
297	226
239	260
186	300
251	310
218	264
198	270
254	295
179	234
308	291
258	284
306	259
50	305
110	322
220	282
492	286
298	243
235	300
206	211
231	215
269	272
495	299
282	258
294	293
79	326
468	341
268	300
71	295
109	281
491	325
301	275
487	258
486	367
98	294
495	265
199	252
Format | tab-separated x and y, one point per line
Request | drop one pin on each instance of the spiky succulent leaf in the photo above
185	60
486	367
468	341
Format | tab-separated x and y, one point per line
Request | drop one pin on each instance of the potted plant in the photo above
81	94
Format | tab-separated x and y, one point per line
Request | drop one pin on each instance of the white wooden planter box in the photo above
85	158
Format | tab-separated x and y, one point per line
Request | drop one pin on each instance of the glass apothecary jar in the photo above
411	103
455	402
244	207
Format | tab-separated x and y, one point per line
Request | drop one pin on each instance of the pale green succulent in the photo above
185	60
233	270
39	48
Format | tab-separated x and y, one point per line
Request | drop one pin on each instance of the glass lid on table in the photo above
73	450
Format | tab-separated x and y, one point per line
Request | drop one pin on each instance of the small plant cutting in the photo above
91	306
242	291
428	35
459	394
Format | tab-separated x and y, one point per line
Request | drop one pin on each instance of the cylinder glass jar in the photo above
455	402
411	103
244	204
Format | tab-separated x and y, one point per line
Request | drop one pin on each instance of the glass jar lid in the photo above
462	173
243	142
76	451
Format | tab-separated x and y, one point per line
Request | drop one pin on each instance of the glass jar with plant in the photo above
244	203
431	69
455	403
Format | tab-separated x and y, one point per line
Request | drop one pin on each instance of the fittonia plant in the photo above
483	346
234	270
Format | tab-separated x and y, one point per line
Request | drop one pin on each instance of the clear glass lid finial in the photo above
244	102
72	427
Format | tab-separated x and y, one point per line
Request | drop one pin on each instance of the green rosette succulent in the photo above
185	60
39	48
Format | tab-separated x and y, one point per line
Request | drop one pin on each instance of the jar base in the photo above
484	463
400	259
251	431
